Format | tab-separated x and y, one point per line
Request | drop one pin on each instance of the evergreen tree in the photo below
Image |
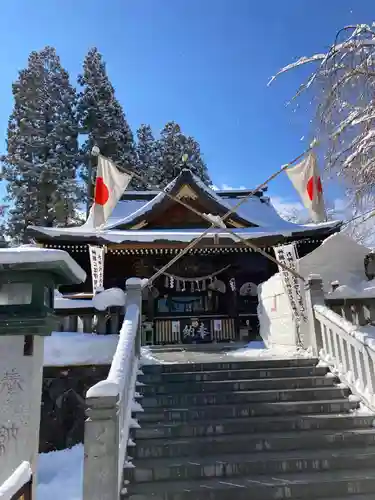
42	149
148	165
173	145
101	116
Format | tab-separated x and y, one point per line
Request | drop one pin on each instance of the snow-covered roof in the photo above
174	235
58	262
255	209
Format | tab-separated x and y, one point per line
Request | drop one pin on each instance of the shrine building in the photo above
210	294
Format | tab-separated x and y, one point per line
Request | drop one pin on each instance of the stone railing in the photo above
96	315
347	347
90	320
359	311
109	408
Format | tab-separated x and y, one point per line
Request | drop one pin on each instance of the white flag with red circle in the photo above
306	180
109	187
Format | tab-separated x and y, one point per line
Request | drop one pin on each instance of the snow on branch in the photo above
342	82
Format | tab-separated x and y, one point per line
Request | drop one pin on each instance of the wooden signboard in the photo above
195	331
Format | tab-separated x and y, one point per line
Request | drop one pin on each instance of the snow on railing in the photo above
350	352
358	307
101	314
345	346
14	484
109	408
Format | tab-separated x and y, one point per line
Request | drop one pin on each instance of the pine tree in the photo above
101	116
173	145
42	148
148	165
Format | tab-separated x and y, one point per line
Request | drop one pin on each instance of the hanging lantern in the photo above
249	289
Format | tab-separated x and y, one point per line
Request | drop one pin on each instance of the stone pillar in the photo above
134	296
314	296
73	324
101	326
87	320
101	444
115	321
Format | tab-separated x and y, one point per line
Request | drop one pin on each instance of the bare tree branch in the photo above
343	84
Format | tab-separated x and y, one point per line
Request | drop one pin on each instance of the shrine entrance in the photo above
202	300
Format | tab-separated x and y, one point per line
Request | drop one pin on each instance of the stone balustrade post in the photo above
101	448
314	296
134	296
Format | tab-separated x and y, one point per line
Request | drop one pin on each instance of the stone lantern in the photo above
28	277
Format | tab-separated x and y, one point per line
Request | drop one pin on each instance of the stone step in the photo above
350	497
238	397
245	373
234	465
302	486
237	385
253	425
212	412
228	365
249	443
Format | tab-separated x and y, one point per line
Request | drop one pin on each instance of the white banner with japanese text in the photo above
287	255
97	267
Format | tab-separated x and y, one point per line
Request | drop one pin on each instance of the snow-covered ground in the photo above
60	475
254	350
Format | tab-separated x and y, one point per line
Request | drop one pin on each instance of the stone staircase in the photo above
254	430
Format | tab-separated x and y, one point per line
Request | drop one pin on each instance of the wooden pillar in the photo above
150	307
235	315
115	321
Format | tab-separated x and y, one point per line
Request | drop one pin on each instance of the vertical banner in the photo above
217	325
287	255
97	266
176	327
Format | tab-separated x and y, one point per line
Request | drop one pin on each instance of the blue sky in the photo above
202	63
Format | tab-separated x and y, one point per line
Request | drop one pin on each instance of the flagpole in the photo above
94	152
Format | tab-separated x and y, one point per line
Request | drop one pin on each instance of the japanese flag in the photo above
307	182
109	187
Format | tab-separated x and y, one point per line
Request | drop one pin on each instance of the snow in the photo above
71	348
118	373
35	255
260	212
62	303
15	482
145	208
254	350
258	350
60	474
359	290
125	209
187	235
338	258
101	301
108	298
254	209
